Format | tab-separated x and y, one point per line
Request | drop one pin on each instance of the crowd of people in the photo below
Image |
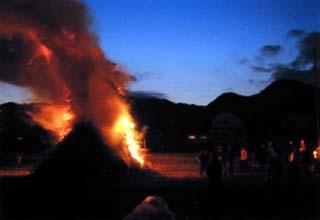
292	163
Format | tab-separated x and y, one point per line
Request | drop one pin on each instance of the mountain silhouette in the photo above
170	123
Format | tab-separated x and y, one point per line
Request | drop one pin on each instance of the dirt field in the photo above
187	195
177	166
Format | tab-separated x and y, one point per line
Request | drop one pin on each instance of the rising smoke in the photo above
47	47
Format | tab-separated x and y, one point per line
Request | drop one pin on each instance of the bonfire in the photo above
56	56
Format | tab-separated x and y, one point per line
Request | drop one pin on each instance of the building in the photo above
227	129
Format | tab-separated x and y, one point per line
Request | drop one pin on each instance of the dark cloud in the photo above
262	69
52	14
295	33
148	94
301	69
270	50
306	76
144	75
15	53
309	48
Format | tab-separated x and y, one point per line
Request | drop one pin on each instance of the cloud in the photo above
147	94
270	50
300	69
295	33
309	48
244	61
143	75
287	73
261	69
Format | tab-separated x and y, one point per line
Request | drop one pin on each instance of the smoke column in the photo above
47	47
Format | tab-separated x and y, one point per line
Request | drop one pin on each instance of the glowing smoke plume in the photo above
46	46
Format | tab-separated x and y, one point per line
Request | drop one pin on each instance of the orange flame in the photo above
62	58
132	139
44	51
55	118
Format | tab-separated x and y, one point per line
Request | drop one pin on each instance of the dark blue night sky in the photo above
194	50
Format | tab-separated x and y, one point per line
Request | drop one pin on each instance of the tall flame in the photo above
126	127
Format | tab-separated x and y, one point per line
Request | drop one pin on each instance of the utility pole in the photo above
316	90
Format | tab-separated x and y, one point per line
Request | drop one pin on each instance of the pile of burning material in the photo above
82	155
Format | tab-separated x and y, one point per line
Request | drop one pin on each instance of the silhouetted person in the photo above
219	151
227	161
270	150
243	159
231	156
19	160
262	157
204	159
214	170
275	170
305	158
293	165
316	155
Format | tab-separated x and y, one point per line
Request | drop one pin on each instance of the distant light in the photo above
203	137
315	154
192	137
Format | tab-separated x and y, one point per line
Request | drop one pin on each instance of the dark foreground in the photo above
237	198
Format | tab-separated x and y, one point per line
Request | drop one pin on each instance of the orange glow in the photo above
291	157
316	153
44	51
132	139
54	118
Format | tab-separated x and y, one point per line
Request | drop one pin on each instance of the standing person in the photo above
286	157
204	159
231	156
262	157
219	151
270	153
243	158
270	150
19	159
226	161
316	155
305	158
292	152
293	165
275	170
214	170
